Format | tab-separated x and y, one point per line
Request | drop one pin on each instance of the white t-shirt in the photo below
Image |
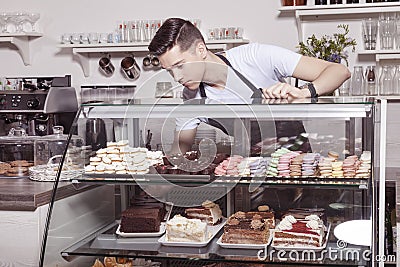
263	65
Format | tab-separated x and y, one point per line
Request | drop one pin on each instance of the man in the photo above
254	70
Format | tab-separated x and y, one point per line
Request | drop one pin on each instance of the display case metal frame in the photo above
104	241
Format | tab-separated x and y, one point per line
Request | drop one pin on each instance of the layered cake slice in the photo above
181	229
249	227
141	219
209	212
305	233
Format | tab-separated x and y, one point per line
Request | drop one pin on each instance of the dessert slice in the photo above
181	229
209	212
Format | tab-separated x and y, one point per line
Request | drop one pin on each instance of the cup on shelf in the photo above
66	38
84	38
76	38
130	68
294	2
387	33
370	33
106	65
93	38
103	37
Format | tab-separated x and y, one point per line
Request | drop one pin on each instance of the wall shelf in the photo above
302	12
21	41
83	51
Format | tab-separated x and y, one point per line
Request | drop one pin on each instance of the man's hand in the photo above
183	141
284	90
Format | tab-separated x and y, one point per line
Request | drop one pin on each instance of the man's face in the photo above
187	67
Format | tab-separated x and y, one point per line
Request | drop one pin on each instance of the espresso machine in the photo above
33	104
29	108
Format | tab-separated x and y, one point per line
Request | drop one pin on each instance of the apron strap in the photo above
257	92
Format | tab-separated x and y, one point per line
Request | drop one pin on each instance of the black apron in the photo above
283	128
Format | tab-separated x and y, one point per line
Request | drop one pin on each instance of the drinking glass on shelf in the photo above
239	33
387	33
66	38
3	22
16	19
84	38
386	81
396	81
76	38
357	81
32	18
370	32
211	34
103	37
93	38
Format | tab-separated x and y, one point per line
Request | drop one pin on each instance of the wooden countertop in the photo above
23	194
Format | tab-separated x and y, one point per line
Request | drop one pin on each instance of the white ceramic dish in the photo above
306	248
356	232
212	230
151	234
245	246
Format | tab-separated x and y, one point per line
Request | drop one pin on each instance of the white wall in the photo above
259	19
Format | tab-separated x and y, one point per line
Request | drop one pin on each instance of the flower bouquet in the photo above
329	48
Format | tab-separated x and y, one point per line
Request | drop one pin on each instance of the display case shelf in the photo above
106	243
21	41
162	179
333	9
83	51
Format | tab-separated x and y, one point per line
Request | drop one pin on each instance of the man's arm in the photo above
326	77
183	141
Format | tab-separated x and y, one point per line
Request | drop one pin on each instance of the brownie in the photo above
141	219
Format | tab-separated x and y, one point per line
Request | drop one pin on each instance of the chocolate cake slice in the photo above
248	227
140	219
209	212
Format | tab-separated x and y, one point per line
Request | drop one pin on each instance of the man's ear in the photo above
202	49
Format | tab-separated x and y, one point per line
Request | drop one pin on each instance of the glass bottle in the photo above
386	81
357	81
370	81
396	81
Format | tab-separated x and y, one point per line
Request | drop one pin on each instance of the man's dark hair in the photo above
175	31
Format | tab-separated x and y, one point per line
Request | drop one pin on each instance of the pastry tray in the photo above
212	229
286	247
245	246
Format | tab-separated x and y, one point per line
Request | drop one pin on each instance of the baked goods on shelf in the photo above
15	168
98	263
181	229
249	227
124	262
238	166
301	229
142	219
209	212
119	158
117	262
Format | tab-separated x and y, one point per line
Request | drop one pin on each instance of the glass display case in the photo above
307	165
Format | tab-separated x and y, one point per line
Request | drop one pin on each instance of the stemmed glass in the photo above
3	22
33	17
